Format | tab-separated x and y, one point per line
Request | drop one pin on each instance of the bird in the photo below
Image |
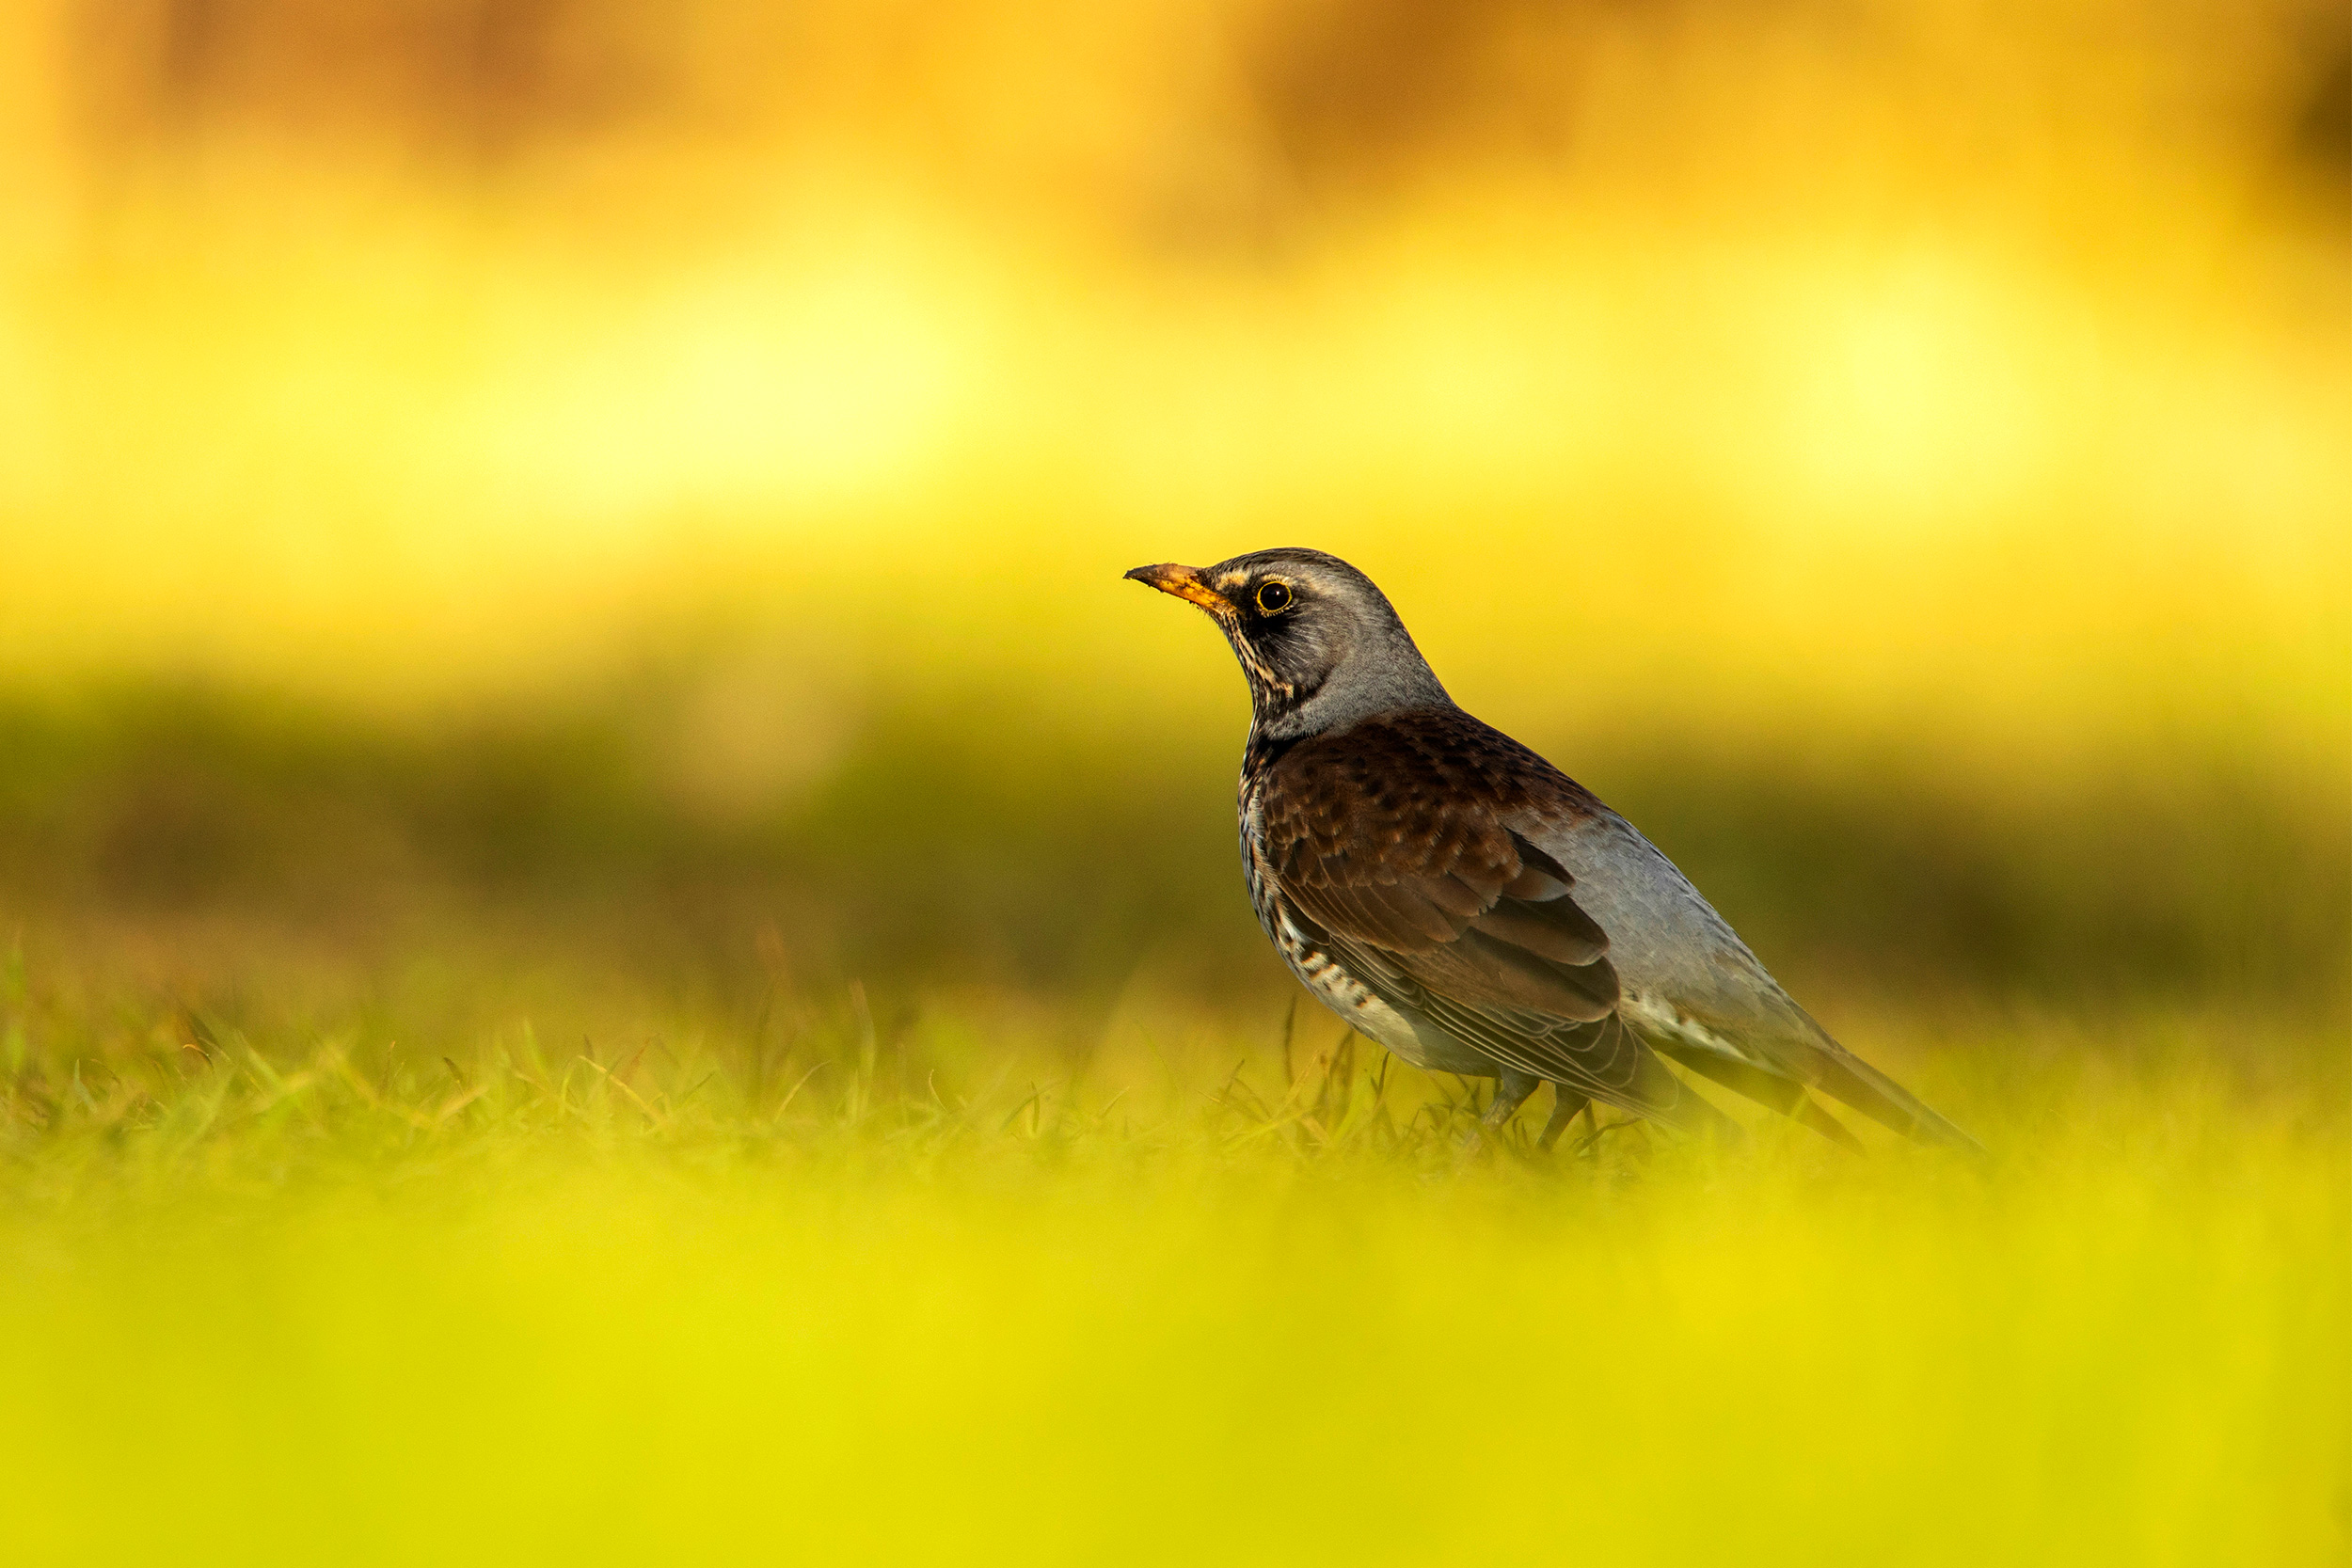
1458	899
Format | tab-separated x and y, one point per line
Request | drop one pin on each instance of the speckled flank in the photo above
1323	977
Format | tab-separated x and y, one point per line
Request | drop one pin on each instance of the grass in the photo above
849	1280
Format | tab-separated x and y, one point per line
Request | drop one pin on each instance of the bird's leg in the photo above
1566	1103
1511	1092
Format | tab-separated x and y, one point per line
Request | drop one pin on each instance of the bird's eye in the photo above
1273	597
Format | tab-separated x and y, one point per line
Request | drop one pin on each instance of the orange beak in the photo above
1184	582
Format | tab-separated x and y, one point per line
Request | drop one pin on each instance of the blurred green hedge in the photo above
979	840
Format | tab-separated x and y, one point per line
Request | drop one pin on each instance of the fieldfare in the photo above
1457	898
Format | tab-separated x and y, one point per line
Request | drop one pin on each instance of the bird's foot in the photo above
1591	1140
1511	1092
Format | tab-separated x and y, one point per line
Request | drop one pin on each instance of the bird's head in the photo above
1321	645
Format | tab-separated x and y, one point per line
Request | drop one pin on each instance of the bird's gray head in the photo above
1320	644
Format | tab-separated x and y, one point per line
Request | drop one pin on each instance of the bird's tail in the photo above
1823	1064
1781	1094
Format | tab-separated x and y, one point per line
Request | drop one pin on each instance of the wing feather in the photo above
1424	849
1394	841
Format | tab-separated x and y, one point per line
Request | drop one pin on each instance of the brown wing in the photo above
1393	837
1393	831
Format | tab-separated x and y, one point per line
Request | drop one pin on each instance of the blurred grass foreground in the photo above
620	943
843	1288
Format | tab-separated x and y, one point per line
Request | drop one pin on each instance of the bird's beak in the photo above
1184	583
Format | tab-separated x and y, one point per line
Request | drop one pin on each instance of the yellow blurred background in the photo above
1896	451
619	939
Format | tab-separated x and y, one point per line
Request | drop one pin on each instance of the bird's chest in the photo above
1265	895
